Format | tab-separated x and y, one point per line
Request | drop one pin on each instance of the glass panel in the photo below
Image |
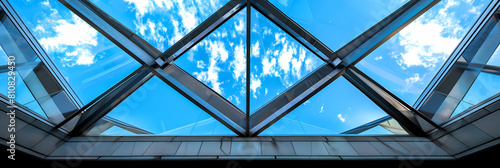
495	58
88	60
485	86
161	23
161	110
277	61
406	63
23	95
324	114
327	21
219	60
117	131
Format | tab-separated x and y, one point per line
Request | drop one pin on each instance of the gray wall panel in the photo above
471	136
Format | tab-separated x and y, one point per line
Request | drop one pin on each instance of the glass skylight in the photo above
219	60
325	114
161	110
407	62
88	60
277	61
161	23
337	22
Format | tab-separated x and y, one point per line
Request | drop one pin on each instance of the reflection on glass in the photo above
161	23
219	60
485	86
407	62
88	60
23	95
337	22
161	110
495	58
324	114
277	61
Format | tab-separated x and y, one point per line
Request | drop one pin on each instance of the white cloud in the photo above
378	58
239	62
256	49
309	62
475	10
142	6
268	66
66	36
265	91
217	50
61	38
430	39
412	80
200	64
239	25
321	110
285	57
341	118
254	85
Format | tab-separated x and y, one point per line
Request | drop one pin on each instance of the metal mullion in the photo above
367	126
125	126
102	96
295	30
201	31
203	97
372	38
248	75
106	102
395	107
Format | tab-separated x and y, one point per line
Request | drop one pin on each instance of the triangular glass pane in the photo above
161	23
89	61
159	109
219	60
406	63
337	22
277	61
338	108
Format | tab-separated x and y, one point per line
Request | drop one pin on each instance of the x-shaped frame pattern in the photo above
156	63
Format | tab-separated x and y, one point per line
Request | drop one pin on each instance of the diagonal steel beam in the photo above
369	40
297	32
492	69
268	114
102	105
350	54
406	115
200	32
125	126
367	126
204	97
128	41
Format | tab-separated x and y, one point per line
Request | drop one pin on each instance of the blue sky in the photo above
404	64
